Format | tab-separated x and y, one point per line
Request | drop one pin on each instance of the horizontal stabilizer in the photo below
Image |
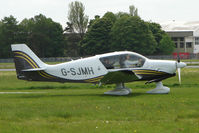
33	70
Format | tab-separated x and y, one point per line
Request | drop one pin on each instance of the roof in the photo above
180	26
180	33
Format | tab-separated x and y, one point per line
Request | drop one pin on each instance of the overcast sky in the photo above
154	10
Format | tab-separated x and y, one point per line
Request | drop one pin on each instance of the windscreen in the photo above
122	61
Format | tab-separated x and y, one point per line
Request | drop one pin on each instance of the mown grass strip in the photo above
76	108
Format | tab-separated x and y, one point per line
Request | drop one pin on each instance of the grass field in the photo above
82	108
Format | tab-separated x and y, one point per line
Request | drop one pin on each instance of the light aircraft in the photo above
111	68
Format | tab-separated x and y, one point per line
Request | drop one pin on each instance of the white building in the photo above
184	34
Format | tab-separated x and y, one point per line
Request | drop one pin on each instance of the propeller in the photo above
179	75
178	66
179	70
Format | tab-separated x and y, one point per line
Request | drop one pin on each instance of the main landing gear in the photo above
120	90
160	89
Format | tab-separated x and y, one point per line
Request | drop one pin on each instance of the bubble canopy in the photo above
123	60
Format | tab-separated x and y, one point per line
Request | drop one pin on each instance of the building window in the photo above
181	45
176	44
188	44
196	40
181	38
174	39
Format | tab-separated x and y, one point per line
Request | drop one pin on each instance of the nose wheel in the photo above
120	90
160	89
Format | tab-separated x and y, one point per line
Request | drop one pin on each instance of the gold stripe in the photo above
98	78
26	60
148	71
46	74
94	79
43	75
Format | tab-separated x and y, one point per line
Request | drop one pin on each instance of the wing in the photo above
119	76
115	76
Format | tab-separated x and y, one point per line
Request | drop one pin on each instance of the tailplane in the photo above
25	59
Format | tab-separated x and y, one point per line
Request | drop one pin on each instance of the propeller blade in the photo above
179	75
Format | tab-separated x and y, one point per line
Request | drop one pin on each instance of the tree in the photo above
132	33
77	17
43	35
164	42
121	14
156	30
8	35
72	44
97	39
92	21
133	11
69	28
166	45
111	16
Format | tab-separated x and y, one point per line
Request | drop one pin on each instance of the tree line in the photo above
41	34
83	37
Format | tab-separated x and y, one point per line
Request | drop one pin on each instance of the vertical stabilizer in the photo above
24	58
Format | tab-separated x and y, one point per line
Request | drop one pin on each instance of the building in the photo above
184	34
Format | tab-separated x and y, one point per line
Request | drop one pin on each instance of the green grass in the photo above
7	65
82	108
190	60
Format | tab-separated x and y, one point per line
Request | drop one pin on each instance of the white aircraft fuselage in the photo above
110	68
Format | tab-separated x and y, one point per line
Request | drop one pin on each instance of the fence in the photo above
172	57
65	59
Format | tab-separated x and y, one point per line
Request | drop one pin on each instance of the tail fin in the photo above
24	58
